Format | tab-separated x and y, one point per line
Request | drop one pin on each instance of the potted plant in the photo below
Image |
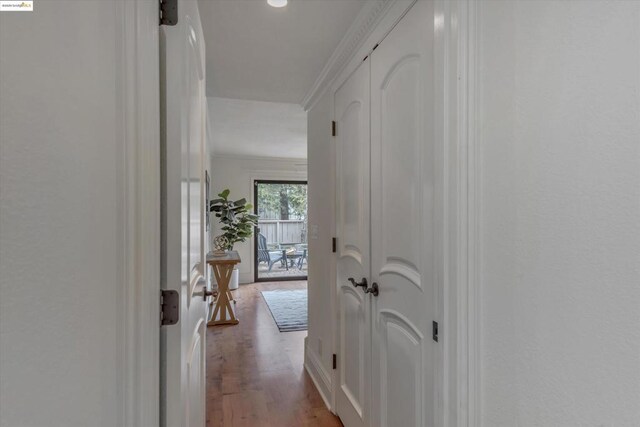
238	222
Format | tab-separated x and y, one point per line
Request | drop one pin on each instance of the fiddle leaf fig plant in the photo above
236	217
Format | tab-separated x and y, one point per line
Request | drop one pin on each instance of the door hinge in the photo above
169	307
434	331
168	12
334	244
333	128
335	361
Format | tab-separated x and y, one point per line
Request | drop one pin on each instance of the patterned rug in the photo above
288	308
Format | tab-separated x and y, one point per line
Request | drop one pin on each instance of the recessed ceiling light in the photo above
277	3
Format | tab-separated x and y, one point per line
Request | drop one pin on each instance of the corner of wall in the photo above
318	374
245	278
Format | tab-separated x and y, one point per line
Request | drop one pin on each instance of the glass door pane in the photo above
281	239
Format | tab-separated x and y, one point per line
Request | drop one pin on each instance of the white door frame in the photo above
138	329
456	72
459	292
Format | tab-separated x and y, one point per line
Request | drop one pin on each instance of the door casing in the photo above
139	301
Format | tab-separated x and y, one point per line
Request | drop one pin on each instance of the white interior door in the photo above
403	182
352	108
183	345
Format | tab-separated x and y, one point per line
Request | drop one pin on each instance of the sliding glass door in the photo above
281	239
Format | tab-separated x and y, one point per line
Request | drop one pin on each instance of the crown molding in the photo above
358	33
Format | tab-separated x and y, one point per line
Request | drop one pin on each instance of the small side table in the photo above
222	266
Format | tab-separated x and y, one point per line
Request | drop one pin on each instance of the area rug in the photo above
288	308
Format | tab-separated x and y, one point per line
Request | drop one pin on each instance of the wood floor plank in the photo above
255	374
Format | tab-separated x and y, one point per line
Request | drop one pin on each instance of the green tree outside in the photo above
282	201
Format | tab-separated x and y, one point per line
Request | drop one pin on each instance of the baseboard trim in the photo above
318	374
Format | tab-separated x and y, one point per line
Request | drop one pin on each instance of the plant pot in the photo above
235	279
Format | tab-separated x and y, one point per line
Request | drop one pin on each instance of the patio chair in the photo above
267	256
302	259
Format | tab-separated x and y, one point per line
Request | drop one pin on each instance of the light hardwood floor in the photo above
255	374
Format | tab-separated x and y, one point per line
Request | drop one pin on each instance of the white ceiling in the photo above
258	52
257	128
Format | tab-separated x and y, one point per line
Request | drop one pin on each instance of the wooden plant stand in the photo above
222	266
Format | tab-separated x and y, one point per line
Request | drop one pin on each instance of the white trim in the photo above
138	335
474	197
455	83
444	197
357	34
462	303
333	269
319	375
389	17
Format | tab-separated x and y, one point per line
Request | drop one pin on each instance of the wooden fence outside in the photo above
283	231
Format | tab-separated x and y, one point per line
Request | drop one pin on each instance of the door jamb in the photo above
456	60
138	298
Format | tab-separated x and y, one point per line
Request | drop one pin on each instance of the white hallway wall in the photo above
560	139
238	174
61	222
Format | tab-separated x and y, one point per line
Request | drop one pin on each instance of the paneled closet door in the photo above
403	180
352	147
